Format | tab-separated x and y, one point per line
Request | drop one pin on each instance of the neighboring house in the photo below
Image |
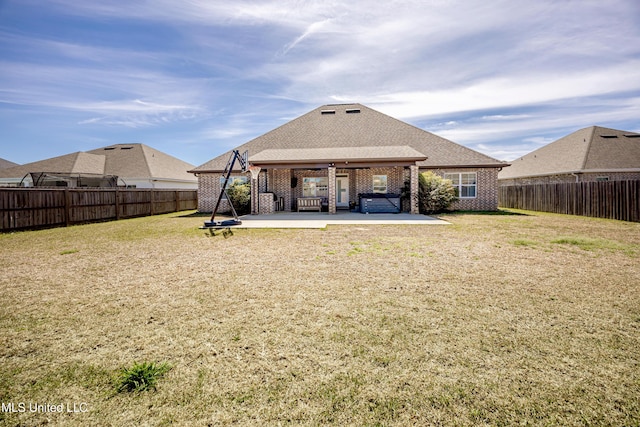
590	154
337	152
131	165
6	164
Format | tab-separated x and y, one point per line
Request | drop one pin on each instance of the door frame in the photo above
344	204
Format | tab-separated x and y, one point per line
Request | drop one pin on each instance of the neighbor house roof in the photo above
6	164
142	161
592	149
123	160
328	131
78	162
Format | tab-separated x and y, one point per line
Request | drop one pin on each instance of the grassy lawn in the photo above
527	319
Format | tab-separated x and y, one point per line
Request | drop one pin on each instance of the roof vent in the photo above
109	148
126	148
327	112
353	111
633	135
609	136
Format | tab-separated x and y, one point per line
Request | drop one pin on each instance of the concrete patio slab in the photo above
321	220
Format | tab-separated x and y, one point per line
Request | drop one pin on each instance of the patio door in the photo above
342	191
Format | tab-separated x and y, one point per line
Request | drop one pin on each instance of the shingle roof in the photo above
339	154
142	161
6	164
332	127
123	160
592	149
78	162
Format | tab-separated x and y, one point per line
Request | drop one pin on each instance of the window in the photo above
466	184
233	180
380	184
602	178
315	187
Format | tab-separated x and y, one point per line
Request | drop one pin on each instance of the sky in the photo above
195	78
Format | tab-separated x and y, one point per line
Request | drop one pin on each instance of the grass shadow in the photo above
499	212
195	214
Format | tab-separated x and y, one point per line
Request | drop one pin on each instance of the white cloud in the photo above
497	76
515	91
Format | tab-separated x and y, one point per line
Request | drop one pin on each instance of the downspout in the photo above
576	175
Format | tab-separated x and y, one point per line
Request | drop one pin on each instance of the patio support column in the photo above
255	192
414	183
332	189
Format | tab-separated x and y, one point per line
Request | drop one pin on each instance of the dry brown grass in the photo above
494	320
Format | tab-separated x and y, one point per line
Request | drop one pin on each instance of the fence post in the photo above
117	194
67	207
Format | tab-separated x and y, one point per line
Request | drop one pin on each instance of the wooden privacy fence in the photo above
24	208
608	199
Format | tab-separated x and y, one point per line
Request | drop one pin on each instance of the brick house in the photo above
591	154
337	153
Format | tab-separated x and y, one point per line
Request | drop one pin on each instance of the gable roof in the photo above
354	127
6	164
592	149
123	160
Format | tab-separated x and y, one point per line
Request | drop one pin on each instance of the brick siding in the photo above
278	181
280	185
364	180
209	191
487	189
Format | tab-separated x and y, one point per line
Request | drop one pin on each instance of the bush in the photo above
141	376
435	193
239	195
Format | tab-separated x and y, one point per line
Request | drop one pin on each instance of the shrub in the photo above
141	376
239	194
435	193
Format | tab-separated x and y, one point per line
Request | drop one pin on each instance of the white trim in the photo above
315	188
344	204
386	184
460	185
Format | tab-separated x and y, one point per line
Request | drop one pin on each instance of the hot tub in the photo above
380	203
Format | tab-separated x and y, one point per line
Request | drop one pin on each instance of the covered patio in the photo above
322	220
331	179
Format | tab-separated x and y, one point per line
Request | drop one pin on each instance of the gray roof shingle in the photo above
6	164
142	161
123	160
334	127
352	154
78	162
594	148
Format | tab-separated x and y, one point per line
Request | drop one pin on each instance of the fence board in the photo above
24	208
608	199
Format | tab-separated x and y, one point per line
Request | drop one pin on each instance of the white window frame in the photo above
458	179
315	186
378	187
